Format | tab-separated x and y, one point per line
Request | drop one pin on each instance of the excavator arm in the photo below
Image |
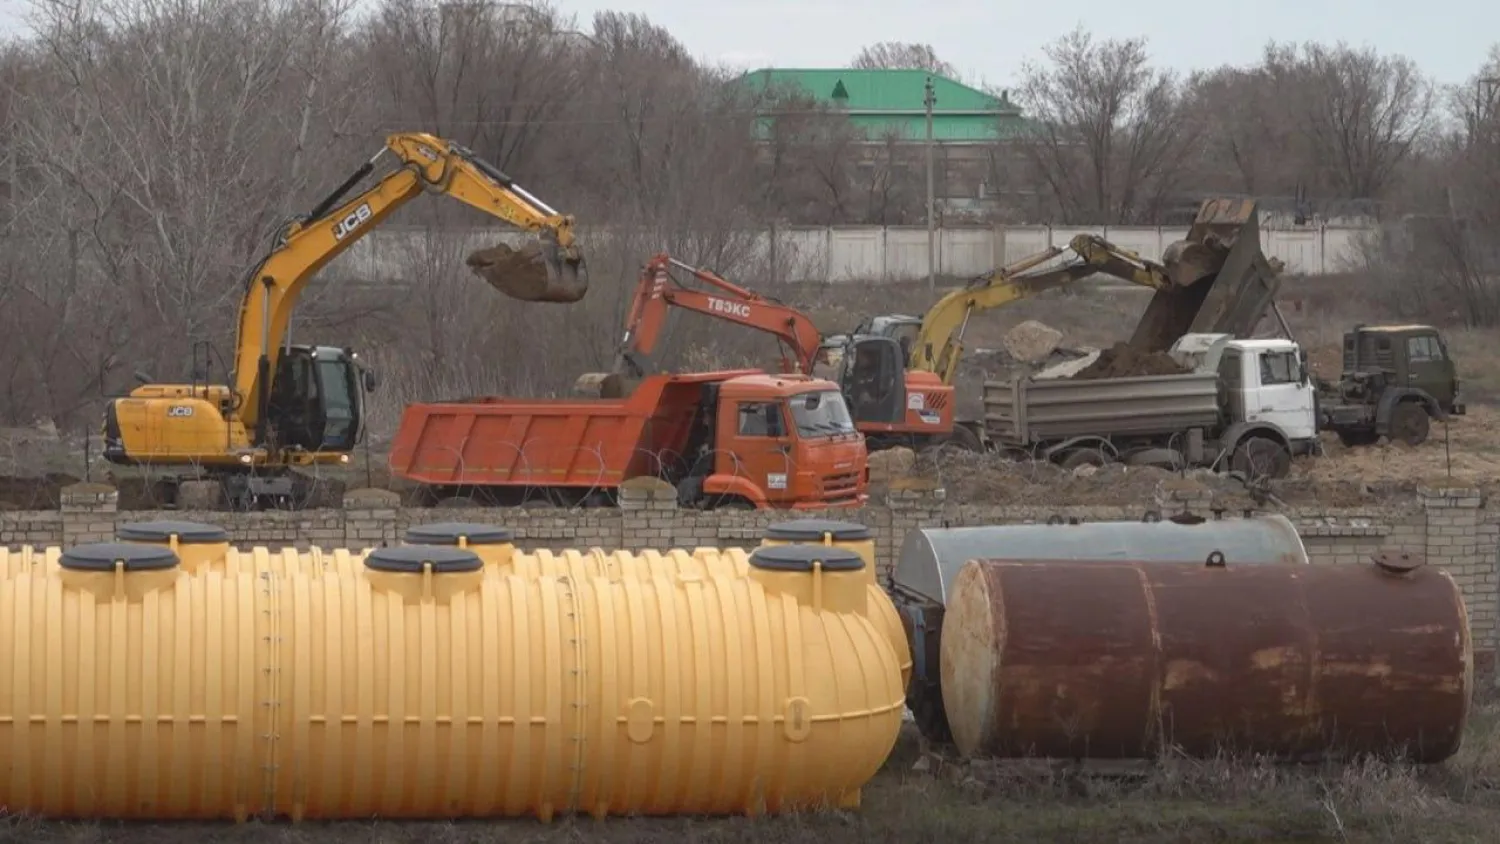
552	270
658	292
1216	280
939	344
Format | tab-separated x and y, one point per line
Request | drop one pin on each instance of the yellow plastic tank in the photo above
129	688
839	534
28	559
424	686
199	545
858	538
494	544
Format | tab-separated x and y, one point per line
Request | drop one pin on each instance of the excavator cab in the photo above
873	379
316	402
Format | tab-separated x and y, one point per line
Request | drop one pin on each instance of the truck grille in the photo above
841	486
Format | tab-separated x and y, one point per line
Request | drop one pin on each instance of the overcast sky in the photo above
988	39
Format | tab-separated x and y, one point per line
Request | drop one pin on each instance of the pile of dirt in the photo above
996	480
1121	361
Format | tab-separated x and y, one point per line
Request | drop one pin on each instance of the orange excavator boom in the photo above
658	292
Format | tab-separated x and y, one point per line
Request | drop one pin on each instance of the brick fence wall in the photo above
1451	527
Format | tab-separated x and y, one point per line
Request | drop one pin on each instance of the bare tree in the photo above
1362	114
1110	136
157	138
494	77
901	55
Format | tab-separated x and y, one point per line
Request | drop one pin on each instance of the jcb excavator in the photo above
288	406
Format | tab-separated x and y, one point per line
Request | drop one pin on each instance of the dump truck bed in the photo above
589	443
1028	411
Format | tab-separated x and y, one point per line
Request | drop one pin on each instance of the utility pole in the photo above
929	99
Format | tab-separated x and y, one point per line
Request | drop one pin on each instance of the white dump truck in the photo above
1243	405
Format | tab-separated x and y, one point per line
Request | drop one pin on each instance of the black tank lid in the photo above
800	558
102	556
410	559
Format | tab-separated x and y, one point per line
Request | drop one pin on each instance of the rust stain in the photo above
1184	672
1267	659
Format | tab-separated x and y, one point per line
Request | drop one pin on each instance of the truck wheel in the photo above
1260	457
1083	457
1409	423
965	438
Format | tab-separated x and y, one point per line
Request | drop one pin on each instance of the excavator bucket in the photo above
1222	281
541	271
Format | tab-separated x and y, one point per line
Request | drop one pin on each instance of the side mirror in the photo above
370	380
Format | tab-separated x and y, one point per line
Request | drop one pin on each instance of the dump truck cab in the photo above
1394	380
784	441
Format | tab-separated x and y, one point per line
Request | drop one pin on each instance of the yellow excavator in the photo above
286	406
1216	280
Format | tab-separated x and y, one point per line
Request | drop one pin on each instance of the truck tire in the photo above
1261	457
1409	423
965	438
1078	457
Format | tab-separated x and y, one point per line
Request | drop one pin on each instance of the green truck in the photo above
1395	380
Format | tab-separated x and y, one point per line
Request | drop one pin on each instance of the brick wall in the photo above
1452	528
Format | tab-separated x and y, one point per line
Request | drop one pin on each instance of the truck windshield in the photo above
821	414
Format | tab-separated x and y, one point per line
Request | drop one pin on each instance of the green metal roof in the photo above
889	102
880	90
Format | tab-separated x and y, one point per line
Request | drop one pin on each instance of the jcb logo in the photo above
353	220
180	410
724	306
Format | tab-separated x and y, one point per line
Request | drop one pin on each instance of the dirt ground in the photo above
1173	800
36	464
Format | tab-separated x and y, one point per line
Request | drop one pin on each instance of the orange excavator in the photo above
891	405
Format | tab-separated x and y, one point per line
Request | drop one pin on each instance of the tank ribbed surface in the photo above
373	693
501	558
148	705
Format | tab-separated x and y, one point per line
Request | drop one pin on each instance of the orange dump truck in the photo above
738	439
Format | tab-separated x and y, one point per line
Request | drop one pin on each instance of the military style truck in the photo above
1395	380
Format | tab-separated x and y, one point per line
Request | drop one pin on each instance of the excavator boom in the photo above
287	406
552	270
658	292
1216	280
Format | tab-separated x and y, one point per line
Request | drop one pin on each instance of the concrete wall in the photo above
1452	528
875	253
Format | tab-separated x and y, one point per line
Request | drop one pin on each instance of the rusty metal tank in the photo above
931	557
1116	659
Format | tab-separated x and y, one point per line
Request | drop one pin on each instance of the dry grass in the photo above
1178	800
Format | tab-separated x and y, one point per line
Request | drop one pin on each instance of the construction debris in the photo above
1123	361
1032	341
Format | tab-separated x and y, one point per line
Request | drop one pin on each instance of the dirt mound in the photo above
1121	361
